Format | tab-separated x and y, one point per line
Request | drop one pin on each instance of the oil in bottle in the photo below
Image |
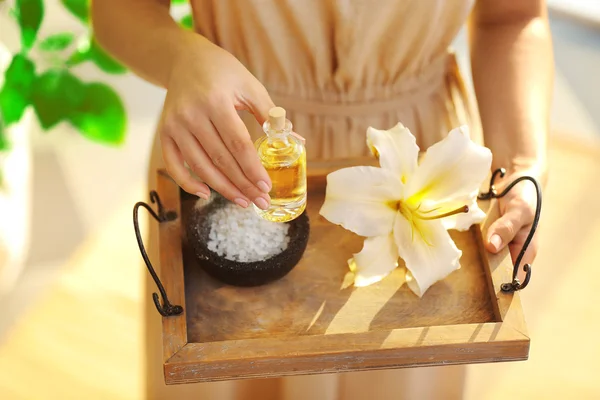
284	157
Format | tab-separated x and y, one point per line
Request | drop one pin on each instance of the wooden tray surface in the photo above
309	322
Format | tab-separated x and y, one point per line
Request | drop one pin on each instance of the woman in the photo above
337	66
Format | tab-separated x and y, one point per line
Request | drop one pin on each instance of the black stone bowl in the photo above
244	273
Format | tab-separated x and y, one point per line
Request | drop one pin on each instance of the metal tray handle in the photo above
492	194
166	309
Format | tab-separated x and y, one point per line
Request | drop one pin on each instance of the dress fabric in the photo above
337	67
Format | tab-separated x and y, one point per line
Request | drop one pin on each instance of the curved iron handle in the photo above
167	309
515	284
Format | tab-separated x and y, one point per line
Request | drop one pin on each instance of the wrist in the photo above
529	161
537	169
186	45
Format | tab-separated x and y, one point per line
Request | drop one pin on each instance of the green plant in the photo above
56	94
187	20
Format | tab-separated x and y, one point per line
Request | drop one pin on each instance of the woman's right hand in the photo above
201	127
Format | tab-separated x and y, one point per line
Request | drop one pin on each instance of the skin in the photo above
512	64
513	70
199	123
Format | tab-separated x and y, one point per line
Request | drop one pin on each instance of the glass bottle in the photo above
284	157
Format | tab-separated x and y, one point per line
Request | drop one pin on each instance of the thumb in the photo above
504	230
259	102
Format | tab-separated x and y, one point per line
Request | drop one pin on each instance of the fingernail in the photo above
241	202
261	203
496	241
264	186
202	195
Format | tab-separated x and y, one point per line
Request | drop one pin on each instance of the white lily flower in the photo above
405	208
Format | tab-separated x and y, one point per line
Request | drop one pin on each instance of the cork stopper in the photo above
277	118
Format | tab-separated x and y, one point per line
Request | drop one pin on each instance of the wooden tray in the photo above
307	323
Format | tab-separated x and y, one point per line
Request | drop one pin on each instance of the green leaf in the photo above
175	2
29	16
18	84
12	105
56	94
57	42
20	74
93	52
104	61
187	22
4	144
101	116
79	8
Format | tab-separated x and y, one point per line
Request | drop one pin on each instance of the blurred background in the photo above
71	317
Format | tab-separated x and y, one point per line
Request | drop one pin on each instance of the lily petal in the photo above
378	257
396	148
358	198
454	167
429	255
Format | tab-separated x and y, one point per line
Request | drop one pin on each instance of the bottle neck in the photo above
278	135
270	130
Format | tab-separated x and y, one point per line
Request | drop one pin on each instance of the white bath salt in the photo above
239	234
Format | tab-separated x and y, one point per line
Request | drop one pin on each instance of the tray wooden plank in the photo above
308	323
171	266
310	300
400	348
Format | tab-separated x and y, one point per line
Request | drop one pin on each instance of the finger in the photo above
504	229
259	103
223	160
516	246
236	138
257	100
175	167
202	166
530	253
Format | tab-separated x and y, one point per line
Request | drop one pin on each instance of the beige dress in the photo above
337	66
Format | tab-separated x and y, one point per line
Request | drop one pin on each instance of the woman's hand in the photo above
201	127
517	210
513	73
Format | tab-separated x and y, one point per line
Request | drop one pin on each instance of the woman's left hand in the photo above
517	211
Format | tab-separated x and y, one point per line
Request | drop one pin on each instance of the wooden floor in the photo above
83	337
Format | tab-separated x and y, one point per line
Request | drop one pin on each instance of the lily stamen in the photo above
421	215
